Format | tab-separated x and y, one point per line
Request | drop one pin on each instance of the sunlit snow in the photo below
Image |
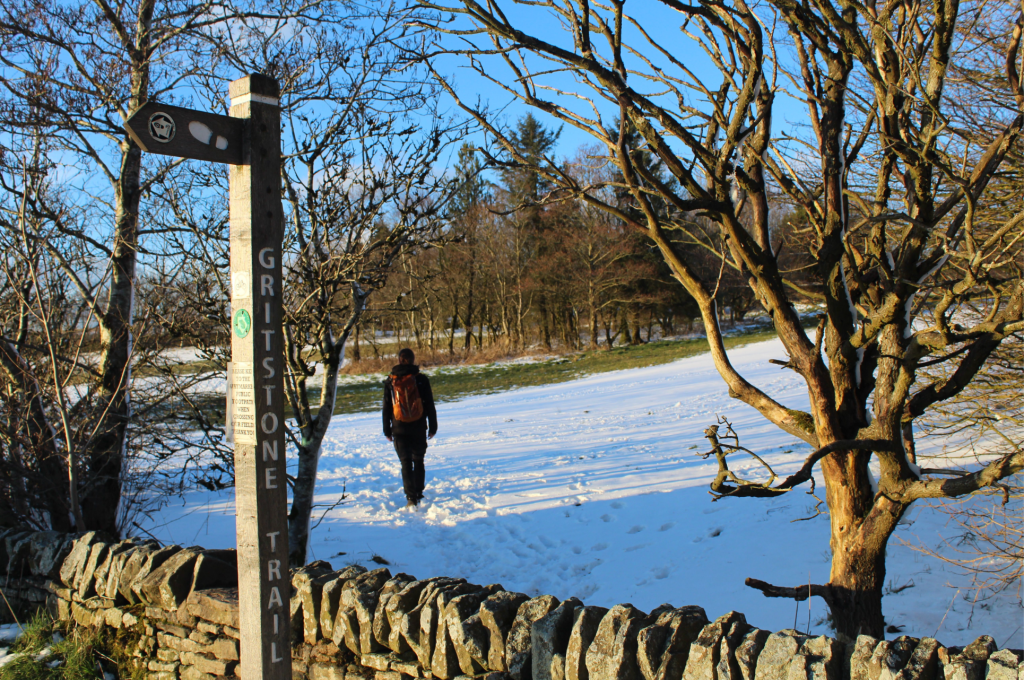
592	489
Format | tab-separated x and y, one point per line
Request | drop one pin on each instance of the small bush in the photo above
36	634
72	656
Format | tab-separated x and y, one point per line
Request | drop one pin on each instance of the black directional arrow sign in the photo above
174	131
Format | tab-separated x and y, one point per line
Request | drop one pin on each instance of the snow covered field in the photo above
592	489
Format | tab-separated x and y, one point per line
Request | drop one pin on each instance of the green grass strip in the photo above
364	393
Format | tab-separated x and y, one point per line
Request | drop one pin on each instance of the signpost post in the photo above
249	141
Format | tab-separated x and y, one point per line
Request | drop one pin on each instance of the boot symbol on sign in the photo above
203	133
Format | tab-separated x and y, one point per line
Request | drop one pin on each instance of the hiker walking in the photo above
409	421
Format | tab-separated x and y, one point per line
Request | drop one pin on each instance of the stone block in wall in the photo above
172	629
518	644
114	617
326	651
169	585
47	551
96	603
208	628
169	666
713	653
584	628
111	587
970	664
497	613
1003	665
418	628
378	662
107	572
433	599
206	664
149	562
79	552
307	587
82	615
664	646
398	611
127	568
923	663
889	657
200	637
184	617
381	623
346	628
471	640
788	655
466	637
216	605
748	651
856	666
15	553
162	675
410	668
58	608
331	596
453	604
356	607
193	673
223	648
405	631
612	653
215	569
550	638
85	580
322	671
179	644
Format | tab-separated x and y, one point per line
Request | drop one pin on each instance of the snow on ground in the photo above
592	489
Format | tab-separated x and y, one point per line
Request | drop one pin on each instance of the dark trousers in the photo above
410	452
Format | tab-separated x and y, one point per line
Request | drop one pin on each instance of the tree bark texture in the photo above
876	258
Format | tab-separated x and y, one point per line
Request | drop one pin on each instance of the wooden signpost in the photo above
249	141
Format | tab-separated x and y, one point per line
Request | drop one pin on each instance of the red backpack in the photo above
405	398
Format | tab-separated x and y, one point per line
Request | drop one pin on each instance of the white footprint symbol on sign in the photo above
202	133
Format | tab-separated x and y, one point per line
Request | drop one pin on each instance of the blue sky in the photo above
662	24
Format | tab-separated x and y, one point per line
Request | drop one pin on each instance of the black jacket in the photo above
420	428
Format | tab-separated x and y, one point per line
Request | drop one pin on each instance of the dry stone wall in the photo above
181	606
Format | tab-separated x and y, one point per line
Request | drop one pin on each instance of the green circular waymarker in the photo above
242	323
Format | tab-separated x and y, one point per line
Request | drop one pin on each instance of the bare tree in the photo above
76	70
39	359
889	185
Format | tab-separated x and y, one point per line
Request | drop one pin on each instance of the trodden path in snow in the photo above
592	489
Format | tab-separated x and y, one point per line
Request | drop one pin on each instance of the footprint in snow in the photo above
618	505
636	529
599	546
660	572
607	518
666	526
577	550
